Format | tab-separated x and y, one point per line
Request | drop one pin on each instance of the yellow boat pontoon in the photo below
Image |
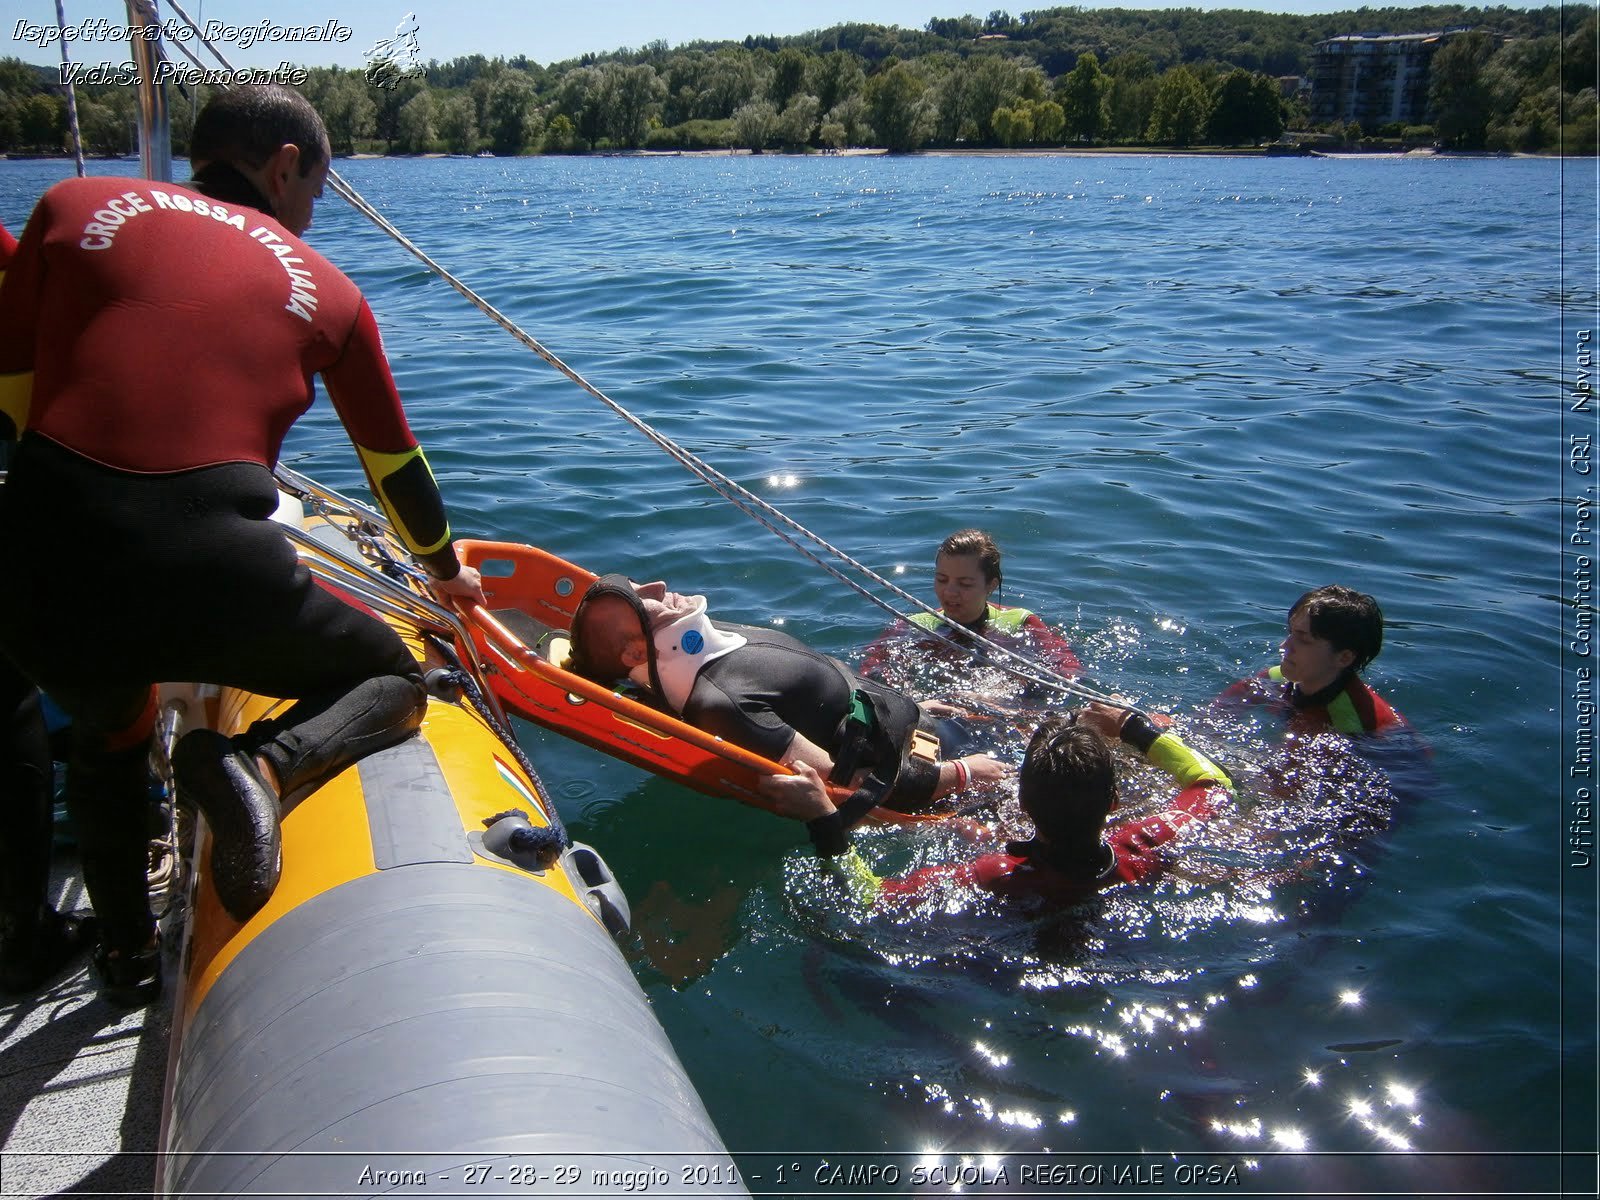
425	1003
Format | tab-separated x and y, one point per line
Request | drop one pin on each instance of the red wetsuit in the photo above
149	329
155	348
156	344
1348	705
1131	848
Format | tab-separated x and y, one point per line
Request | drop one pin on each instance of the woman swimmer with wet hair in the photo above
966	573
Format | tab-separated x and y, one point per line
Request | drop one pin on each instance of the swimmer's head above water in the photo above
657	638
966	572
1332	629
1068	786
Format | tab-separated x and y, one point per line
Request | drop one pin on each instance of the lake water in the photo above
1178	391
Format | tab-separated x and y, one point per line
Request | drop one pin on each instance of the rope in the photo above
463	678
753	506
200	37
72	91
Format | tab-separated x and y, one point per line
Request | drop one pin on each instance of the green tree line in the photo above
1521	80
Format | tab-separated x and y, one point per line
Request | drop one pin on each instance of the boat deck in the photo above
80	1081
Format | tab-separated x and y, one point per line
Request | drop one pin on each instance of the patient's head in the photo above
610	628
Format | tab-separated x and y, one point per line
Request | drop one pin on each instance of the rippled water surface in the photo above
1178	392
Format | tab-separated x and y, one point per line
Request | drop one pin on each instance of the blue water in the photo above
1178	391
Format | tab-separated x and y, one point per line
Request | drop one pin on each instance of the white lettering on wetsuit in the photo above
97	234
100	231
302	288
119	210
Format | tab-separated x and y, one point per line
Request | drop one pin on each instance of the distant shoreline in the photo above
995	152
976	152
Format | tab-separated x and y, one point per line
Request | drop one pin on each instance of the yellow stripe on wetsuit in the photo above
1342	714
1186	765
398	482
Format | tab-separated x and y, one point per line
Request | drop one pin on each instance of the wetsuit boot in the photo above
219	777
317	739
312	742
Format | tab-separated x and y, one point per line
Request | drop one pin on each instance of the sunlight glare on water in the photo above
1179	392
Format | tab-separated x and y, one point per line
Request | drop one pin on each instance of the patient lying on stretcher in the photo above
771	694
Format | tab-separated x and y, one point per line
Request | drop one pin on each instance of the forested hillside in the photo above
1522	80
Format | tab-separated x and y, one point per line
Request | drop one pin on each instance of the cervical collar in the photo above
683	641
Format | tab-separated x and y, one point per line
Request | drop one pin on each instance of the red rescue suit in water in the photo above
1130	851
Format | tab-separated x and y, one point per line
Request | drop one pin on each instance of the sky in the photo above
546	31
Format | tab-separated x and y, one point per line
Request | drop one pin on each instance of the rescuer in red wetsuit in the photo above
966	574
1068	787
35	940
156	344
1333	633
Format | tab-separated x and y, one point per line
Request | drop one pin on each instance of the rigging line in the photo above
742	498
193	58
1032	671
754	506
748	502
72	91
199	34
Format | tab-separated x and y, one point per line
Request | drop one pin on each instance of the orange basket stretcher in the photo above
524	635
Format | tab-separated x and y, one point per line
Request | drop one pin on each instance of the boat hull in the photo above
421	1023
412	1009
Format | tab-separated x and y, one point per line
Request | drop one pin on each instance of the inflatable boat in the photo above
423	1006
431	1002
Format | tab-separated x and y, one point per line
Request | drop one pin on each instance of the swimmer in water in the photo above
1334	632
771	694
1349	763
1068	787
966	574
